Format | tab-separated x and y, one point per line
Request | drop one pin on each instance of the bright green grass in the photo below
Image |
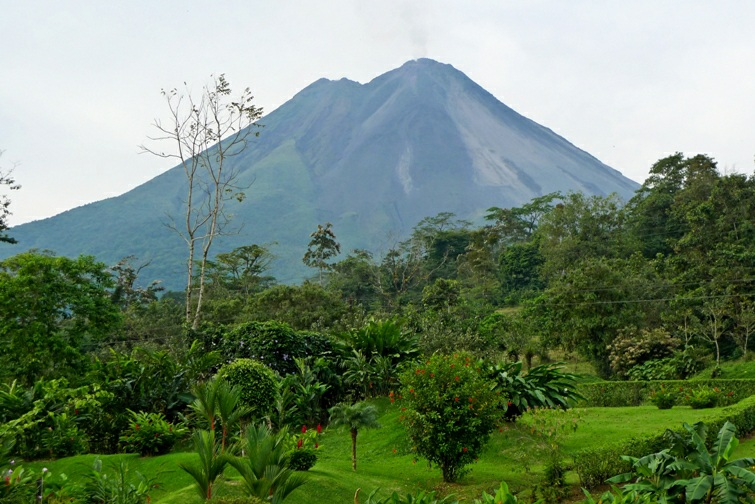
384	460
738	369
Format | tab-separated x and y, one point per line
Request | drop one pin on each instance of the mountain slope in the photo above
373	159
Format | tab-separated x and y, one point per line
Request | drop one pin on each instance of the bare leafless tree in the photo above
206	131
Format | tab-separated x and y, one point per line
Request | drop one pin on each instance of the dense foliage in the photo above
457	324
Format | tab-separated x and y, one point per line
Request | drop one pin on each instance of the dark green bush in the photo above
302	459
257	383
663	397
273	343
150	434
634	393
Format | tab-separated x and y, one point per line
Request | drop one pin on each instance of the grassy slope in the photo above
738	369
379	466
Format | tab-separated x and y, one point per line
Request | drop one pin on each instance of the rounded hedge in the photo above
274	343
257	383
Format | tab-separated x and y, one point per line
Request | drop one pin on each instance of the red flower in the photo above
136	427
456	399
319	427
509	404
299	443
316	445
456	378
303	429
465	449
411	390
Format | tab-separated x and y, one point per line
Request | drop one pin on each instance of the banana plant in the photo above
714	476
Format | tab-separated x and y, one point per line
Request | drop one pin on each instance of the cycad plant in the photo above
211	463
354	416
263	469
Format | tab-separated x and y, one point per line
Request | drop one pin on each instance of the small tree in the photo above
6	179
451	411
745	325
354	416
322	247
714	315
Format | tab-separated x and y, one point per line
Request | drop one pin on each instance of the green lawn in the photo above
385	461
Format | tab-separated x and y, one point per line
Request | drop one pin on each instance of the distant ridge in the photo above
373	159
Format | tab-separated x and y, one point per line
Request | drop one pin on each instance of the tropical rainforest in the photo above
95	359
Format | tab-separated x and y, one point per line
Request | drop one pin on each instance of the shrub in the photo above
687	471
273	343
632	348
150	434
257	383
64	438
451	411
43	420
663	397
633	393
302	459
419	497
703	397
543	386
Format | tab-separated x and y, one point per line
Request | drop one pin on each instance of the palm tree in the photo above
219	400
211	463
264	468
354	416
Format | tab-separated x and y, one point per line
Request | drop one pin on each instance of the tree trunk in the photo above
354	449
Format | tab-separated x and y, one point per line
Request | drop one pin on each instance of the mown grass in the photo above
737	369
385	460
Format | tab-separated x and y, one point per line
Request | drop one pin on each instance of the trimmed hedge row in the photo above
634	393
595	465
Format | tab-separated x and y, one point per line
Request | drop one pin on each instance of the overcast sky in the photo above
627	81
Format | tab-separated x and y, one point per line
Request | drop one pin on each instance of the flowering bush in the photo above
451	409
664	398
703	397
151	434
302	448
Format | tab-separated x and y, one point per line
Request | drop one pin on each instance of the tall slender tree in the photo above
207	131
322	247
